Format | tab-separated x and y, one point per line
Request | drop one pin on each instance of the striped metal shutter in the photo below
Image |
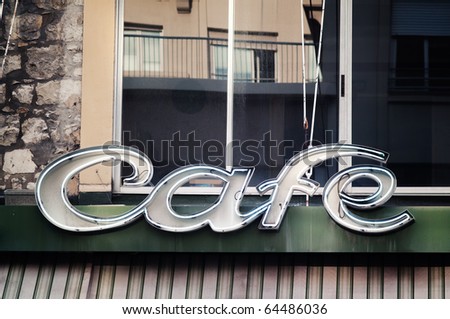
421	18
222	276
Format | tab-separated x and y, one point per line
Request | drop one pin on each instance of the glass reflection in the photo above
175	68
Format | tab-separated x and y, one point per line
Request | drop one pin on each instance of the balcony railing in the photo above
206	58
419	80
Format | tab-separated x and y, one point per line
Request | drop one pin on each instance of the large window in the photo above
426	70
401	88
388	87
175	93
254	56
142	51
250	65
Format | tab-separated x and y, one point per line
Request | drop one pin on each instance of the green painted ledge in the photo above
304	230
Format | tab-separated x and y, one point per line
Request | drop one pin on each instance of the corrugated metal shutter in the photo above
421	18
217	276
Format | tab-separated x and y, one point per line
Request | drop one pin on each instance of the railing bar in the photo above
154	52
132	59
175	66
144	64
216	39
189	65
169	54
143	57
292	53
296	65
179	66
159	58
192	66
180	55
172	59
155	58
286	53
197	53
138	50
169	58
182	44
183	66
179	58
151	47
187	59
200	64
202	59
175	56
290	73
285	67
289	76
165	57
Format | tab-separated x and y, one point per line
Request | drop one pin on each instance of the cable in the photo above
316	85
305	120
9	36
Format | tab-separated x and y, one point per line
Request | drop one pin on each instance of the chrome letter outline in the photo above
225	214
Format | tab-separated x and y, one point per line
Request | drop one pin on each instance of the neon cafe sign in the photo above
225	214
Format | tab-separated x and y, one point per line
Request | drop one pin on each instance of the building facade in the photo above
194	82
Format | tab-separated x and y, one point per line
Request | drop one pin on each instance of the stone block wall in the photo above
40	87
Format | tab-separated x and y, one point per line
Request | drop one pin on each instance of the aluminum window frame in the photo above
117	186
345	106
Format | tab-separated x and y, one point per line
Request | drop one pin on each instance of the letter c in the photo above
51	195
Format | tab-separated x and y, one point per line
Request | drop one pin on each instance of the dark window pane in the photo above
439	63
410	68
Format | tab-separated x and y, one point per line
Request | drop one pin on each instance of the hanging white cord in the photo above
9	36
302	13
1	10
316	85
305	119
